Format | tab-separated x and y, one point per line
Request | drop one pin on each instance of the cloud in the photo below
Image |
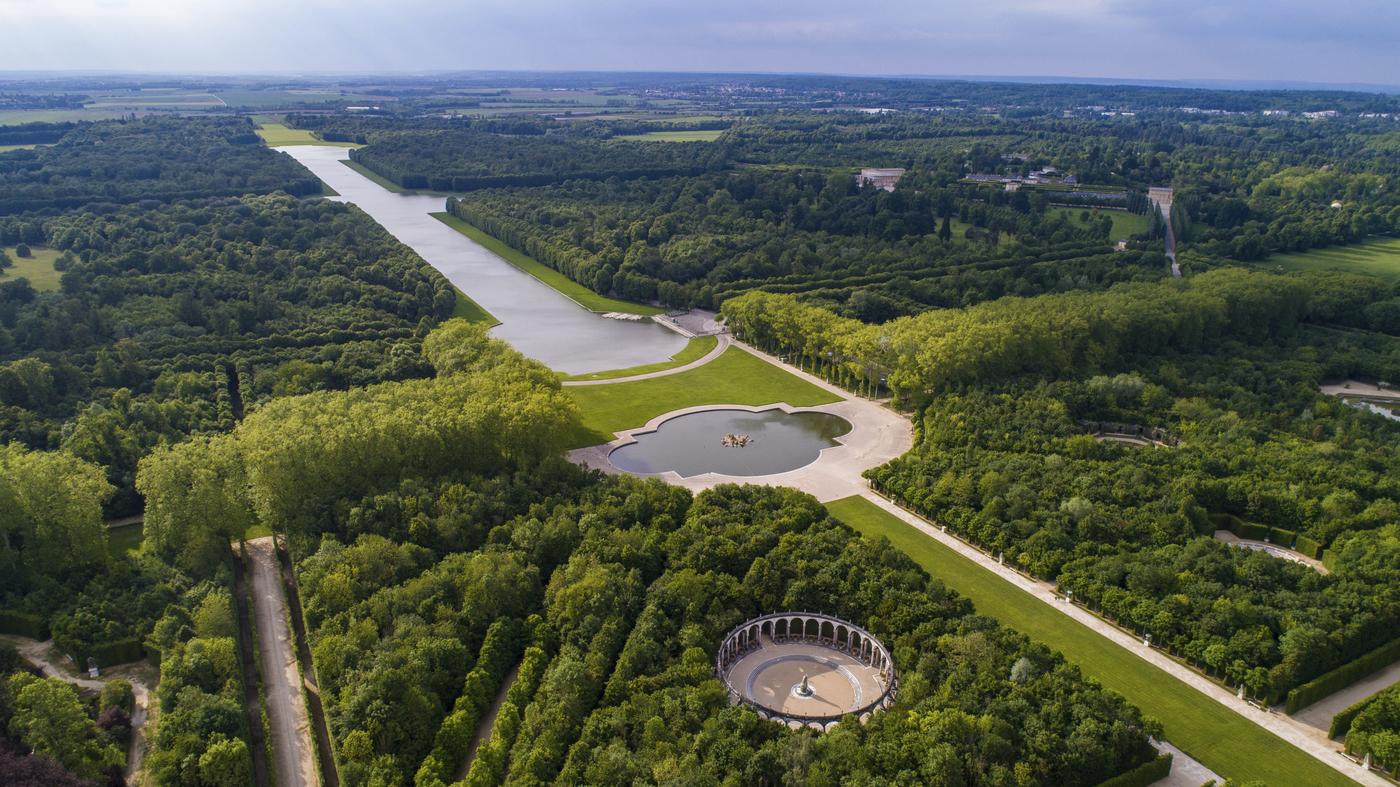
1345	40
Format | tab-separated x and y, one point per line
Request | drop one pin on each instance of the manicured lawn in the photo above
709	135
389	184
38	269
278	135
736	377
1125	224
1226	742
694	350
471	311
123	539
1380	257
580	294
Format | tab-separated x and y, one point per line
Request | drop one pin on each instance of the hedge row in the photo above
23	624
1257	532
1341	723
500	650
107	654
489	765
1308	546
1143	775
1330	683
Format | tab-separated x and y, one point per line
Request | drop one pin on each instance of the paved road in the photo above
293	750
1307	738
52	664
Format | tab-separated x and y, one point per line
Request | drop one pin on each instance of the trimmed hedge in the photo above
500	650
1330	683
23	624
1341	723
1283	538
1308	546
1143	775
107	654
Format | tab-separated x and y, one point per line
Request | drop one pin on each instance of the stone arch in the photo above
766	629
826	630
811	628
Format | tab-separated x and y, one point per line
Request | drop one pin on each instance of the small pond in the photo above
696	443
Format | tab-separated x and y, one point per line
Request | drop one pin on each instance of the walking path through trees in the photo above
293	750
49	661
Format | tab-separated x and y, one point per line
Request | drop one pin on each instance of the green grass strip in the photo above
694	350
571	289
1224	741
471	311
735	377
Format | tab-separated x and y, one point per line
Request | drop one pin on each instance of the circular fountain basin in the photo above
693	444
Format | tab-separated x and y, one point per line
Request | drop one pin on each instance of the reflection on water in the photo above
1383	409
535	318
694	444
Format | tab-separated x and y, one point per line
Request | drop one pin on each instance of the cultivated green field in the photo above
15	117
694	350
1125	224
471	311
736	377
580	294
8	148
1380	257
278	135
38	269
675	136
1226	742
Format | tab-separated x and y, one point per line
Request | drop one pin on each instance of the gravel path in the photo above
1320	713
293	749
53	665
1305	737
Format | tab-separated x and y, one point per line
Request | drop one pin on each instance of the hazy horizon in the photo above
1286	41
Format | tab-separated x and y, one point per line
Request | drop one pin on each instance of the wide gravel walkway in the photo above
1298	733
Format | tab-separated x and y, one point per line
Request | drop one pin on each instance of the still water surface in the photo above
535	318
693	444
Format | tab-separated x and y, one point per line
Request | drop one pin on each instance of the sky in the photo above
1354	41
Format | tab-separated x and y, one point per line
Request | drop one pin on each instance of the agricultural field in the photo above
8	148
278	135
16	117
1379	257
38	269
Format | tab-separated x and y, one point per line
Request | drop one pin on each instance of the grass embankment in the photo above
736	377
37	268
471	311
576	292
390	185
709	135
694	350
1223	740
278	135
1380	257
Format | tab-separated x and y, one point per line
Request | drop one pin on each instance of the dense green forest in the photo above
175	319
1376	729
471	538
148	159
873	254
462	159
1229	363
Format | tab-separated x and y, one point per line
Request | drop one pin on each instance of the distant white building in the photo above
880	178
